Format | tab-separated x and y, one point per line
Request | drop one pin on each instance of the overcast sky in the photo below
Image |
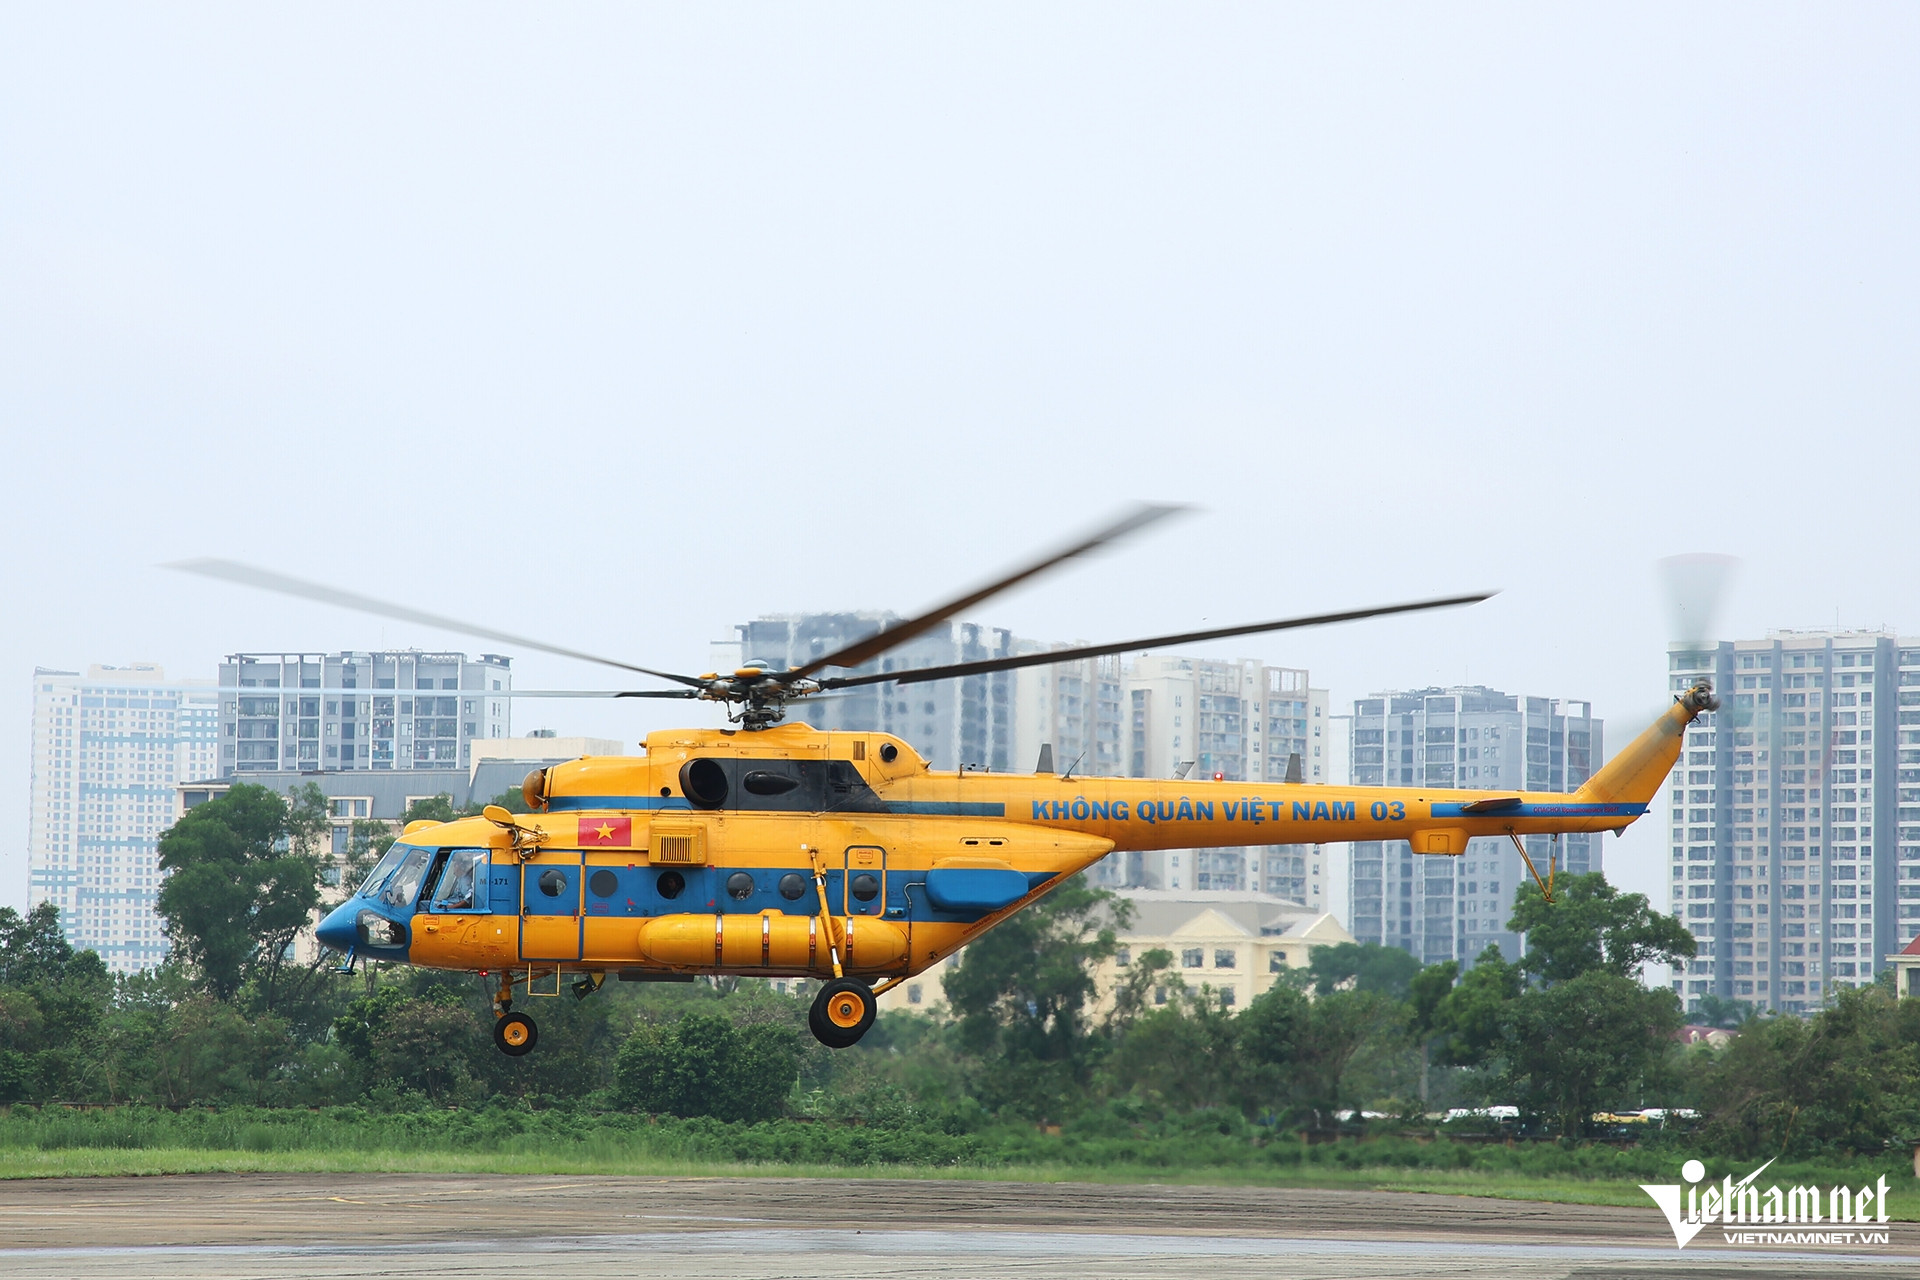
621	324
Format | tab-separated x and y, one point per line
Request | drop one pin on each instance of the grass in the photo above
1212	1149
84	1162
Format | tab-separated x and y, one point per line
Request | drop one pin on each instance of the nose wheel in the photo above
841	1013
515	1034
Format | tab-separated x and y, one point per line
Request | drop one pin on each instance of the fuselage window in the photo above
763	783
740	885
704	783
378	876
457	883
670	884
405	885
604	883
792	885
866	886
553	882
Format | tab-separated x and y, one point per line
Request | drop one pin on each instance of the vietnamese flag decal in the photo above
606	832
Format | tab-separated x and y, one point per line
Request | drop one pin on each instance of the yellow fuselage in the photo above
781	851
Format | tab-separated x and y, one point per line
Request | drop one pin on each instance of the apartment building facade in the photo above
378	710
1795	817
1468	736
108	748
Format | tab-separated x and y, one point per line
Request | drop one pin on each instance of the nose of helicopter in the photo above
337	931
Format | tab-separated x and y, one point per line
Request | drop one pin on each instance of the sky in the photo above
620	324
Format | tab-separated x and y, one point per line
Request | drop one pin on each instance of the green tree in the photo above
513	800
1846	1079
52	1001
1426	994
1730	1015
431	809
429	1042
1337	1027
1591	926
1183	1055
1470	1023
242	880
1589	1042
706	1065
1270	1034
1020	995
1362	966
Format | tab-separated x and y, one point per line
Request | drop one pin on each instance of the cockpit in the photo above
408	878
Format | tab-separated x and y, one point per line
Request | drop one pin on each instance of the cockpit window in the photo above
459	882
384	868
404	887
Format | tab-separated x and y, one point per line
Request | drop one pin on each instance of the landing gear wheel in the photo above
516	1035
841	1013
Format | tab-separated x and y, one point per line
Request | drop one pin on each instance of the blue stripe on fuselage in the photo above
558	804
1523	810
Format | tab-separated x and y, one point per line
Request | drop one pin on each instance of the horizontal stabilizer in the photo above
1492	804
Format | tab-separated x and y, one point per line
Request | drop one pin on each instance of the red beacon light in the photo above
1219	777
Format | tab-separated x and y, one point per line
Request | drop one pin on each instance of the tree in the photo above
1364	966
1714	1011
1846	1079
1425	995
242	881
513	800
1183	1054
705	1065
1471	1021
1590	926
33	948
1271	1030
431	809
1337	1027
1020	996
1586	1043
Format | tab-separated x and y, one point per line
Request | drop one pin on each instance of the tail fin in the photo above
1634	774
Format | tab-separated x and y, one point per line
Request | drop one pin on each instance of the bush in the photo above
704	1065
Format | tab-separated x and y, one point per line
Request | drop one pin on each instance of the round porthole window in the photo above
553	882
866	886
739	885
792	886
604	883
670	884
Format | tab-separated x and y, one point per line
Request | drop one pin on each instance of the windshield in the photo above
456	889
404	887
383	869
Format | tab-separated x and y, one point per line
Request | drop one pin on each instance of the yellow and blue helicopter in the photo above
778	850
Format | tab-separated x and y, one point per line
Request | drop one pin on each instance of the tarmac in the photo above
404	1225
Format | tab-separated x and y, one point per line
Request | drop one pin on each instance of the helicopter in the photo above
772	849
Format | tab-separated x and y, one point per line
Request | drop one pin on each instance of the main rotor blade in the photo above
1136	517
956	670
593	693
267	580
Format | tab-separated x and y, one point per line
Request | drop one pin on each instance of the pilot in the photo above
456	894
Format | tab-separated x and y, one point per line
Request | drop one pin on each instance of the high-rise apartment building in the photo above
1240	720
1166	716
1789	856
108	749
1077	708
322	712
954	723
1451	908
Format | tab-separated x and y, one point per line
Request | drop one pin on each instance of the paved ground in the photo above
281	1226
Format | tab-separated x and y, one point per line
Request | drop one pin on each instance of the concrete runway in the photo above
282	1226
